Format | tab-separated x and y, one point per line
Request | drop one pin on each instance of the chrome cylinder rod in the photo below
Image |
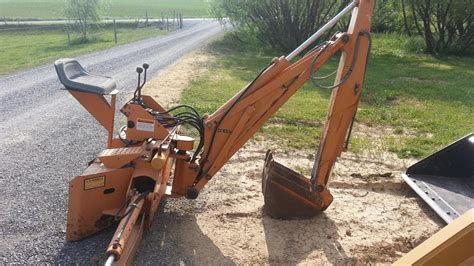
110	260
321	31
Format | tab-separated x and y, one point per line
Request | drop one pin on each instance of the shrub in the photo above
415	44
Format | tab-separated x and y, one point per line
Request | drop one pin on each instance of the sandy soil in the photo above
375	217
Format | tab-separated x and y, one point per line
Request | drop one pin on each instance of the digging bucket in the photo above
288	194
445	179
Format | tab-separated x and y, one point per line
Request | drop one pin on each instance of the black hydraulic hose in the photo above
129	212
349	71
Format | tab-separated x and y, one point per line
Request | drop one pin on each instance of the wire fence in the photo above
165	21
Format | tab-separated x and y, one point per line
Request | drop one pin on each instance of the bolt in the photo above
345	38
356	88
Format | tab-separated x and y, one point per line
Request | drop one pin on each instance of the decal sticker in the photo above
94	182
145	125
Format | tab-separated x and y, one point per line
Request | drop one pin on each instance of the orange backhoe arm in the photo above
232	125
150	160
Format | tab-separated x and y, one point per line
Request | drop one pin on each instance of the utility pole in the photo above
115	31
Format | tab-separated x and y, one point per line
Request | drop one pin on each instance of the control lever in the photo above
145	66
139	71
138	92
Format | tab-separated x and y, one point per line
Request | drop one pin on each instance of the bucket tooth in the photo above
287	194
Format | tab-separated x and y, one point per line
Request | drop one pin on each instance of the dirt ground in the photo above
375	217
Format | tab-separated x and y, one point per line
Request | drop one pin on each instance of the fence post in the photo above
5	20
68	36
174	15
115	32
167	24
180	21
146	14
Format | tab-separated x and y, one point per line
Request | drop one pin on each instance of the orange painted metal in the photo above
91	194
266	100
184	176
345	98
144	124
268	93
151	103
183	143
100	109
133	243
118	157
127	230
145	160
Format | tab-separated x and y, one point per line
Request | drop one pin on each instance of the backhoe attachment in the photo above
150	159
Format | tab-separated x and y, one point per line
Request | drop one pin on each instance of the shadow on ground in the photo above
89	251
176	238
292	242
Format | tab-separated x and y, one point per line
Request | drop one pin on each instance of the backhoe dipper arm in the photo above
232	125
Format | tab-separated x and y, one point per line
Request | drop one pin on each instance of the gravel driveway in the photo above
46	138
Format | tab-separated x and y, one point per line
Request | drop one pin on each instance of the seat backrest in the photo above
74	77
68	69
73	69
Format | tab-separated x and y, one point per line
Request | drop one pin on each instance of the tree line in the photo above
442	26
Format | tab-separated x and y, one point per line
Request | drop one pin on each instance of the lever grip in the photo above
146	66
139	70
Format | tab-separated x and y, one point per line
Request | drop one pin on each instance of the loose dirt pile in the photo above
375	217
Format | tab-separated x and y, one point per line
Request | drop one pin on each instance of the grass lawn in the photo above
29	48
51	9
428	102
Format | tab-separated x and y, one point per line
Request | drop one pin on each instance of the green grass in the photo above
28	48
51	9
427	101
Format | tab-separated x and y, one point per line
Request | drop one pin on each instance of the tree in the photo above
83	13
283	24
444	24
386	17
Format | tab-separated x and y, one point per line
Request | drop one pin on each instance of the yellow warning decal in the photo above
94	182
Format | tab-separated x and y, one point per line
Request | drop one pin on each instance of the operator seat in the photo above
74	77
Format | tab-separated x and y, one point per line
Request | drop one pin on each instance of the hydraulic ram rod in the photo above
110	260
321	31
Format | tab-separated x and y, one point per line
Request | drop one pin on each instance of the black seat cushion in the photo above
74	77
